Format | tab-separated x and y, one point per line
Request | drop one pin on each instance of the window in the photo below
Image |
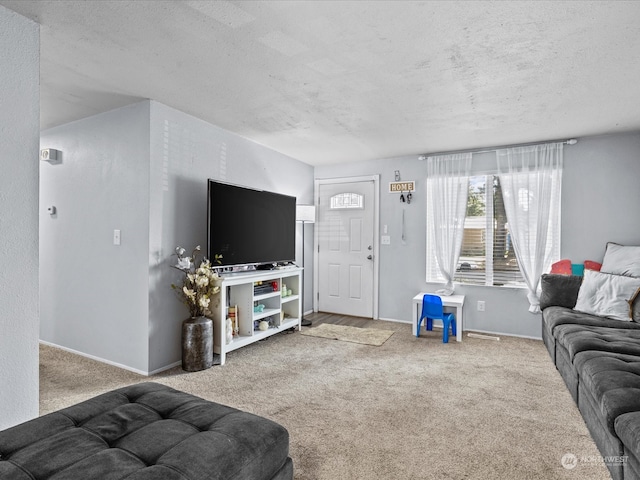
481	222
486	256
347	200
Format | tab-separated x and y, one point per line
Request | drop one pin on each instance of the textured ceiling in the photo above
339	81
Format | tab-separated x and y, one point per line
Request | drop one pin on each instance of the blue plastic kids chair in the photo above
432	309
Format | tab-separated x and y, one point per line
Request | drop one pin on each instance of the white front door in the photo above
346	250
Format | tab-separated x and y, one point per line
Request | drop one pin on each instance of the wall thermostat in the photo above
49	155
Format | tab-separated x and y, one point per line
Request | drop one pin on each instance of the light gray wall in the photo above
185	152
142	169
600	203
600	195
19	128
94	293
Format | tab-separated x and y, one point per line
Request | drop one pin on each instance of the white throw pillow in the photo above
607	295
621	260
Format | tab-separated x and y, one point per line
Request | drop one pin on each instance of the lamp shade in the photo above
305	213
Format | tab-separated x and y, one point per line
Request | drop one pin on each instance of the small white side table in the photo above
455	301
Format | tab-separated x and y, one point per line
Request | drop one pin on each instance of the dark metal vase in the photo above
197	344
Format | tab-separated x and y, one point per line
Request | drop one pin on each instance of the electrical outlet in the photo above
385	240
481	305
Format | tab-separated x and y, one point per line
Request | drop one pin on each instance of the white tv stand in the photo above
237	289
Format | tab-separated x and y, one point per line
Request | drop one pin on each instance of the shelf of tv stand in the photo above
237	289
264	296
289	298
265	313
244	340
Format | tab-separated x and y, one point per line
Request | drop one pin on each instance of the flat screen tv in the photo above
250	227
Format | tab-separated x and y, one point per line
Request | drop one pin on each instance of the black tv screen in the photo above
248	226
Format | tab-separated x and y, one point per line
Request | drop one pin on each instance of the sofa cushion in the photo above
554	316
621	260
627	427
141	432
607	295
562	267
612	380
559	290
591	265
577	338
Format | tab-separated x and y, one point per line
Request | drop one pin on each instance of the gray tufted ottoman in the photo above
146	431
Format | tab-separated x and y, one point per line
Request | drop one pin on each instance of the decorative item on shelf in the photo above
263	325
229	330
284	290
261	288
259	308
233	311
199	292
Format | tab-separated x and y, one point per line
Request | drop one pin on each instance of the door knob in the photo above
369	257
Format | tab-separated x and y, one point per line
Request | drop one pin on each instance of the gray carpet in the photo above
366	336
413	408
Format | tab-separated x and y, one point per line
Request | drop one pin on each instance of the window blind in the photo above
487	256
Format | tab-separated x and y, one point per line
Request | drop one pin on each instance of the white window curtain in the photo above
447	191
531	179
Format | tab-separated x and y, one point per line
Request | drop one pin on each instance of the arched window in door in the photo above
346	200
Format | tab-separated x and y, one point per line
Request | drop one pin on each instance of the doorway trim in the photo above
376	233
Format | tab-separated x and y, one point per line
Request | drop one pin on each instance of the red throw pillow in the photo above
562	267
591	265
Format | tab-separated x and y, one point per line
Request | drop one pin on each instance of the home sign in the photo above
399	187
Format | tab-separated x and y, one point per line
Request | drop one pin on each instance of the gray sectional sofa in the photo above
146	432
599	360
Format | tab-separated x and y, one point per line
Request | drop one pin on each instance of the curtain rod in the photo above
570	141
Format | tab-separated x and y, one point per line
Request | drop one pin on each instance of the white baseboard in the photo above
489	332
394	320
162	369
108	362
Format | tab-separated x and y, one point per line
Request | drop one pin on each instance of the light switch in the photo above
116	237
